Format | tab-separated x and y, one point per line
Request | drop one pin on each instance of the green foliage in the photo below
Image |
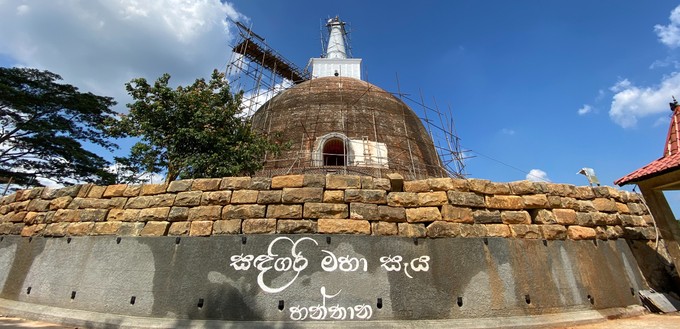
191	132
43	124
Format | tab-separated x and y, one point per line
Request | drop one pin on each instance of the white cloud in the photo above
98	45
537	175
585	109
631	102
670	34
507	131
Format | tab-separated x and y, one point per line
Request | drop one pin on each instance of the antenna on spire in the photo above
674	104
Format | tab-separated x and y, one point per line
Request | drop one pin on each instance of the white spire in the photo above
336	40
336	61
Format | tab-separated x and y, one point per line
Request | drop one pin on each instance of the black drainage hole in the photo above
244	240
177	240
73	294
591	299
379	303
30	239
486	241
460	301
595	242
545	243
527	299
118	240
280	307
415	241
28	291
68	240
2	238
200	303
328	240
632	291
133	299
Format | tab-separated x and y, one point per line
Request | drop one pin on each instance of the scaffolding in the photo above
260	73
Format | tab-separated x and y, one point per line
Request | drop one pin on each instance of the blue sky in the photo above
548	86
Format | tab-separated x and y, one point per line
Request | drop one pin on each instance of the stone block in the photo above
601	232
154	214
66	215
206	184
402	199
32	218
313	180
457	214
132	190
622	208
584	193
244	196
396	182
423	214
384	228
636	208
487	216
269	197
155	229
473	230
241	183
55	229
229	226
605	205
507	202
466	199
60	203
71	191
38	205
243	211
563	190
33	230
382	184
441	184
487	187
259	226
416	186
334	196
201	228
391	214
259	183
204	213
279	182
524	231
367	182
50	193
631	220
19	216
366	196
123	215
106	228
179	228
302	195
79	229
93	215
554	232
639	233
153	189
535	201
343	226
139	202
342	182
366	211
182	185
542	216
284	211
584	219
614	232
575	232
21	206
296	226
437	198
325	210
131	229
565	216
515	217
584	206
440	229
524	187
600	218
217	198
162	200
188	199
498	230
555	201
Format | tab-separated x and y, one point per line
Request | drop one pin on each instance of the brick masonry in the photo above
334	204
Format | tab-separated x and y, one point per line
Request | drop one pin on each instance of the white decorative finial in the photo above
336	39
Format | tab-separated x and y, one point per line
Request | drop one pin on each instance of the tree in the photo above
190	132
43	125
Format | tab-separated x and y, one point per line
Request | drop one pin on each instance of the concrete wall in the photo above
325	248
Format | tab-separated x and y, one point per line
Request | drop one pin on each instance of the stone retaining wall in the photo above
332	204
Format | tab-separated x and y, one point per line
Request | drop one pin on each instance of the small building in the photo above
658	176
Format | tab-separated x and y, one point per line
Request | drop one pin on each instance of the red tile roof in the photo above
671	154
